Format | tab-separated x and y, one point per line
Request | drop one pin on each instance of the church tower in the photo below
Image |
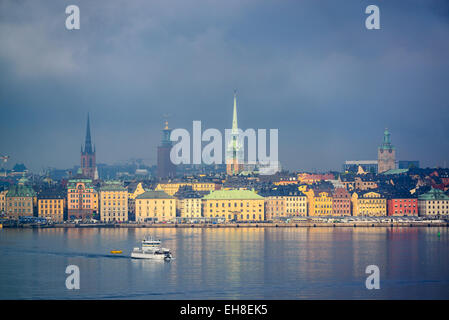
165	168
386	154
234	150
88	165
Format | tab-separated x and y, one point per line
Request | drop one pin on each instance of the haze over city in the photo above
310	69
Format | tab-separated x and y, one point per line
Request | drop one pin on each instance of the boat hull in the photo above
149	255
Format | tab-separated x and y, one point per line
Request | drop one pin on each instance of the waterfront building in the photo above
368	203
188	203
295	203
234	150
402	205
386	154
274	206
433	203
319	202
82	199
234	205
20	200
172	188
368	166
51	204
155	206
284	202
88	158
113	202
165	167
341	202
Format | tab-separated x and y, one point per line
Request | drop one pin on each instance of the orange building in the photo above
82	199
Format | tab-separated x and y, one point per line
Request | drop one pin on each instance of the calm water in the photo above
255	263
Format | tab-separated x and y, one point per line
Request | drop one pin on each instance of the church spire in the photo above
234	118
88	143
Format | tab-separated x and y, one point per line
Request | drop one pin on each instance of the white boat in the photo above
157	254
151	249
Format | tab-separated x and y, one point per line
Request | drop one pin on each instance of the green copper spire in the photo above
235	127
387	141
386	136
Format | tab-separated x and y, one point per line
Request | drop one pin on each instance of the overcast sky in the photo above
308	68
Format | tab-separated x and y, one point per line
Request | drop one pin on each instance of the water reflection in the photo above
227	263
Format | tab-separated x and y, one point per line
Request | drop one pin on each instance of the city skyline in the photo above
331	88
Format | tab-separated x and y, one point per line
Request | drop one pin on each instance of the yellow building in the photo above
155	206
51	205
369	204
113	202
237	205
172	188
319	203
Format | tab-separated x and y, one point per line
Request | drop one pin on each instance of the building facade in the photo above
402	206
20	201
234	205
274	207
82	199
341	202
386	154
433	203
113	202
319	202
51	204
155	206
369	203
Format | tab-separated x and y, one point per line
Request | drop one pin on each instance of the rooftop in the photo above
233	194
154	194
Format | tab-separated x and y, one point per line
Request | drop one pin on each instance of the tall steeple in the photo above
234	150
88	143
235	126
88	165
